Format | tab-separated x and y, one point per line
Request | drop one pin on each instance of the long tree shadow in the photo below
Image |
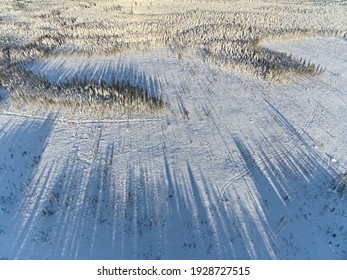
22	146
288	187
128	202
151	209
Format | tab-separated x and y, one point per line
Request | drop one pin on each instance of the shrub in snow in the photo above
225	35
27	86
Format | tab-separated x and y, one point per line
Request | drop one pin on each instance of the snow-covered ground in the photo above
234	168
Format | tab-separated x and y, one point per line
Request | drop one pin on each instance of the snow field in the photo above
246	161
249	175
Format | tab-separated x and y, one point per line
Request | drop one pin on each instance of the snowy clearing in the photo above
234	168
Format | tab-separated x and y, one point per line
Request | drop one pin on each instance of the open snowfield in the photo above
236	165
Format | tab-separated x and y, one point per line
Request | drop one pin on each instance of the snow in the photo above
253	171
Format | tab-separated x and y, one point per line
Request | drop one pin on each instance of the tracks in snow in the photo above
60	118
